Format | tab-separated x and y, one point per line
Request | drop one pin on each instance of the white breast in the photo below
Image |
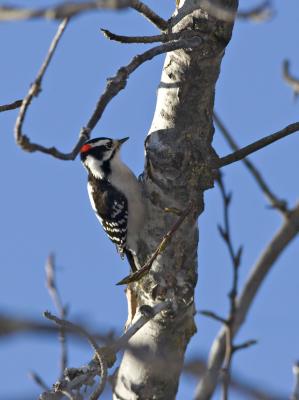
124	180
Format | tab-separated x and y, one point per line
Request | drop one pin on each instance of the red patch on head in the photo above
85	147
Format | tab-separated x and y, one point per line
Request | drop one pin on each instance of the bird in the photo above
115	194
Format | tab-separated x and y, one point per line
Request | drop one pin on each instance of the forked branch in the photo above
114	86
288	231
77	378
275	202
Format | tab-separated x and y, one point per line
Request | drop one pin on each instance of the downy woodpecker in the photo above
114	194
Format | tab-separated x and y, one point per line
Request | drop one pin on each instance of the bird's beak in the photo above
121	141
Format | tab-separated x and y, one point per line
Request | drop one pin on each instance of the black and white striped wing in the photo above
111	208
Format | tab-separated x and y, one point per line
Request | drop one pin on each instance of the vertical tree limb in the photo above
178	155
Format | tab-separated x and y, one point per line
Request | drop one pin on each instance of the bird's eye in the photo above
109	145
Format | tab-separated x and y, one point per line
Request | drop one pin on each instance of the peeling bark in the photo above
177	171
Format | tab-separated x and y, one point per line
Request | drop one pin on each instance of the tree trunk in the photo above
177	171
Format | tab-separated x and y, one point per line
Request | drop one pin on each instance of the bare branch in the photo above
149	14
160	248
114	86
258	145
274	249
12	325
38	380
260	13
134	39
50	269
99	352
60	11
75	378
104	374
244	345
35	89
163	38
235	256
213	315
74	327
11	106
197	367
74	8
54	293
290	79
275	202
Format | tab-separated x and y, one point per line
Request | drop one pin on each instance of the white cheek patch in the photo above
94	167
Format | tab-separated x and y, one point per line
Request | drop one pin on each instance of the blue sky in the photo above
45	206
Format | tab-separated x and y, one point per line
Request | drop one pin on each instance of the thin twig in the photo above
149	14
74	327
213	315
78	377
104	374
288	231
12	325
54	293
160	248
38	380
50	269
35	88
60	11
258	145
260	13
290	79
99	353
275	202
114	86
11	106
243	388
244	345
163	38
235	256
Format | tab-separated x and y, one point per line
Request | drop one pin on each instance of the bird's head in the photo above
97	155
